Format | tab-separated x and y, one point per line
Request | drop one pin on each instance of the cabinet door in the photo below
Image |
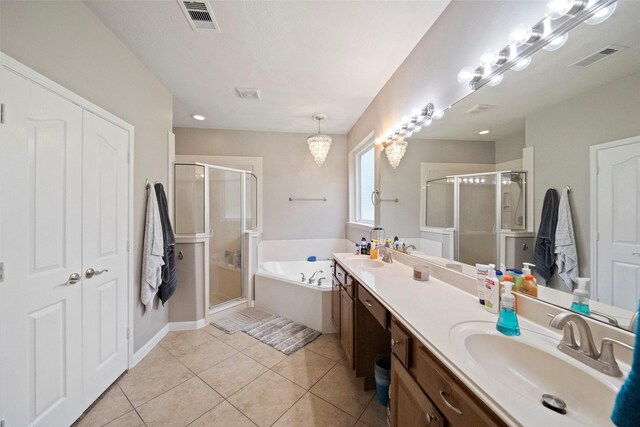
346	324
410	406
335	304
40	211
105	202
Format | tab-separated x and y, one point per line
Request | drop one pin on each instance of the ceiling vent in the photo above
199	14
480	108
599	55
248	93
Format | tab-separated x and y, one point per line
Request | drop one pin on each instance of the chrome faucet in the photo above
585	350
408	249
385	253
313	276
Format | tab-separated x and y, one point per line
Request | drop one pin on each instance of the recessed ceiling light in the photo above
197	117
484	132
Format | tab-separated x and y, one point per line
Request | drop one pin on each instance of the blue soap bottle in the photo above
580	302
508	319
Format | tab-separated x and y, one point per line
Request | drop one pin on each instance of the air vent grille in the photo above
199	15
599	56
248	93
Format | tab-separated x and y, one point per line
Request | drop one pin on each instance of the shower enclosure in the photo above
479	207
217	205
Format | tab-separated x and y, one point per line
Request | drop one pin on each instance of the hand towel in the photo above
544	256
565	243
152	252
169	273
626	411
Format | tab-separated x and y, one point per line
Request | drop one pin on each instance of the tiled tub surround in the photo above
430	309
204	378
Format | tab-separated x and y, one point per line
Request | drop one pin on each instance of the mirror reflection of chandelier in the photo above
319	144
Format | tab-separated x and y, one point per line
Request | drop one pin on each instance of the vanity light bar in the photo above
409	126
534	38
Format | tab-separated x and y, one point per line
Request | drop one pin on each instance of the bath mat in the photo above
282	334
241	320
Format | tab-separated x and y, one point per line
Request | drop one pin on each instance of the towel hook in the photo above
568	189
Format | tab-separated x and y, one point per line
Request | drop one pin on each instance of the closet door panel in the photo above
40	308
105	207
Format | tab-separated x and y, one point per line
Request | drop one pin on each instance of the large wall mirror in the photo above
570	122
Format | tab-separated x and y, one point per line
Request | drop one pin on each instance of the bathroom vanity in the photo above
449	365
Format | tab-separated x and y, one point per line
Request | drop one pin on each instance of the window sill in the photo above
360	225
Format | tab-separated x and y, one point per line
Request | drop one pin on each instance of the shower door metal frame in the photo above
208	234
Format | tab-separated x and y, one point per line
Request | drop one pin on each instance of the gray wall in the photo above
289	170
510	147
66	42
403	218
562	135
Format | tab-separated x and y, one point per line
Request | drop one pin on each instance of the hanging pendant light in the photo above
319	144
395	152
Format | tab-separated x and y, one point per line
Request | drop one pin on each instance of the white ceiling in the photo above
549	80
306	57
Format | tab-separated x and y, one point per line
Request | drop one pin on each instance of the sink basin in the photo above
531	366
358	262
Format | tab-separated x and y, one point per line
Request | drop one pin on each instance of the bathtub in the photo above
280	290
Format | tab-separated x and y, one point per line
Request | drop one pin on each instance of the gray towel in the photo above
565	243
544	256
152	252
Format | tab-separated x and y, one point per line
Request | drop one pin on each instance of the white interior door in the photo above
104	250
40	309
618	225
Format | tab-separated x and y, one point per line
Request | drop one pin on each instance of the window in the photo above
365	183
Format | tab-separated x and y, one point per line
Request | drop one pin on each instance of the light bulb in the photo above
602	15
438	115
557	42
490	57
521	35
408	135
496	80
466	75
559	8
415	112
417	129
427	123
522	64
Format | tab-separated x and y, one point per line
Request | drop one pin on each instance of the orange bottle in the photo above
529	286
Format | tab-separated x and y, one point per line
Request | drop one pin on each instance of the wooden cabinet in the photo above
335	304
410	406
346	324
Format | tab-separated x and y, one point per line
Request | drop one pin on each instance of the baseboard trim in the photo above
150	345
187	326
171	326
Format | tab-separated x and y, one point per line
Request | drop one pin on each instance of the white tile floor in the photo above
208	378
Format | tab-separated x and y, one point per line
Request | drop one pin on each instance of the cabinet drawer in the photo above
377	310
341	275
458	405
400	344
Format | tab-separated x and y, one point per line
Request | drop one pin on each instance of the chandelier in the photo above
395	152
319	144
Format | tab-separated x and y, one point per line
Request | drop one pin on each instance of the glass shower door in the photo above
477	224
226	231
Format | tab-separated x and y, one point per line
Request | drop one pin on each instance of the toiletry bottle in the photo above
482	271
492	291
357	248
526	268
508	319
517	278
396	243
529	286
363	246
581	297
373	254
509	278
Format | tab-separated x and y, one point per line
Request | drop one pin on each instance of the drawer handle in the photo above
449	405
368	302
429	418
339	274
395	342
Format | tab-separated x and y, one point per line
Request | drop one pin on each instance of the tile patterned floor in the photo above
207	378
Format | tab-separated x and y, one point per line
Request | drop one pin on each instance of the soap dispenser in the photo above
508	319
581	297
528	285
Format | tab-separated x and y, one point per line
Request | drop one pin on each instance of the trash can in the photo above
382	372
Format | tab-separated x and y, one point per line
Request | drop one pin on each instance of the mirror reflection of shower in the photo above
512	188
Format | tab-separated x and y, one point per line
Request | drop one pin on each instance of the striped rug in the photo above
282	334
242	320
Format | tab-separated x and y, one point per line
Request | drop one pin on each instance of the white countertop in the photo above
430	309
